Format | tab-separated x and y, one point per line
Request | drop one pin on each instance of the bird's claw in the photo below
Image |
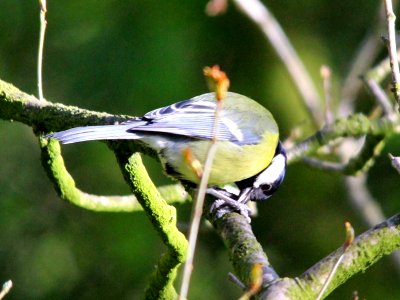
222	207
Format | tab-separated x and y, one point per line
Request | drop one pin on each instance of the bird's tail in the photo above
94	133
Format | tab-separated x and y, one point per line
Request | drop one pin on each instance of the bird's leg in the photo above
226	202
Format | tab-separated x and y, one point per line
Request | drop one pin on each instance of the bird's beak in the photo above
244	196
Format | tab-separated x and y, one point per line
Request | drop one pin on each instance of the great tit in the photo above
248	154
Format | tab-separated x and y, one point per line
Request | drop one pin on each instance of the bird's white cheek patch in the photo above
272	173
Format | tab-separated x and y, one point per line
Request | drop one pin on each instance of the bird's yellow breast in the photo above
231	162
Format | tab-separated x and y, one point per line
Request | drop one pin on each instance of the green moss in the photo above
163	217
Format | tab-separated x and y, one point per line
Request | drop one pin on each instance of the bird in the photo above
249	153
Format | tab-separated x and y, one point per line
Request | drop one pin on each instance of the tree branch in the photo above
43	116
392	48
363	59
365	250
64	184
162	216
355	125
360	163
260	15
244	249
18	106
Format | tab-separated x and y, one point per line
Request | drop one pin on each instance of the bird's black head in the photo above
264	184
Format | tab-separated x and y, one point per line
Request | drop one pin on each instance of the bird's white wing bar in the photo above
192	106
191	118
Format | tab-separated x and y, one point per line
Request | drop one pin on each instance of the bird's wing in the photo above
192	118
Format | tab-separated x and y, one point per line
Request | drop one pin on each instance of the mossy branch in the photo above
360	163
16	105
356	125
365	250
64	184
44	116
163	218
365	159
244	249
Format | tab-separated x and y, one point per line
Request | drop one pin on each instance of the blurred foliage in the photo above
130	57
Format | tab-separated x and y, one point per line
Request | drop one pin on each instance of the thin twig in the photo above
330	276
195	223
362	200
380	96
43	24
216	7
259	13
395	160
347	243
392	48
221	86
326	75
324	165
232	277
6	288
352	84
363	59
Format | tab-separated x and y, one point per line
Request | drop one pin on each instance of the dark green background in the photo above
130	57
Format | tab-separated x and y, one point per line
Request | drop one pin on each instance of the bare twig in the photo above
380	96
221	85
363	201
363	59
259	14
392	48
195	223
216	7
352	83
327	84
355	295
324	165
395	160
347	243
6	288
232	277
43	24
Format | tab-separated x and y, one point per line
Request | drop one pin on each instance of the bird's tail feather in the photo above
94	133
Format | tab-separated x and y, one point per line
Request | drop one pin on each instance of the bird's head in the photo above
264	184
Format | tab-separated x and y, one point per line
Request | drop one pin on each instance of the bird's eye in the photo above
266	187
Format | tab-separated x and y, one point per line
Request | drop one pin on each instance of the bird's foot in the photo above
224	204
